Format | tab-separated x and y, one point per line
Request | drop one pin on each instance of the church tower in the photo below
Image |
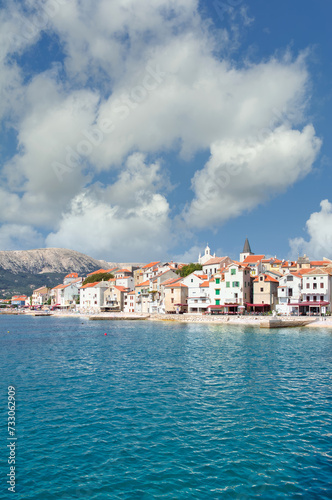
207	255
246	251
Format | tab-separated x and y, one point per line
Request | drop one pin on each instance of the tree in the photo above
98	277
190	268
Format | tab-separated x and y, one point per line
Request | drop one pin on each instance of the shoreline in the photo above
254	321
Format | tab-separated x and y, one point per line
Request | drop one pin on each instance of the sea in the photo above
148	410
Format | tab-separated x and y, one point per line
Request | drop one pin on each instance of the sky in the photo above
138	130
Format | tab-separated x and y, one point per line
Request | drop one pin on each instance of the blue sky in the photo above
138	130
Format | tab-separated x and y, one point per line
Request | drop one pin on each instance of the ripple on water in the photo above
168	411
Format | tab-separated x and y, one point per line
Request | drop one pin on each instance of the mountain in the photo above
49	260
21	271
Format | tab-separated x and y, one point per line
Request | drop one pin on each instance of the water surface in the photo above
169	411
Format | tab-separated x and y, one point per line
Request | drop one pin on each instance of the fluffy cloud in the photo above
240	175
319	228
125	220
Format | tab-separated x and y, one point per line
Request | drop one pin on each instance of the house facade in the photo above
265	293
289	292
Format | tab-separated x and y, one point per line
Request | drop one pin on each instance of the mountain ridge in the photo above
48	260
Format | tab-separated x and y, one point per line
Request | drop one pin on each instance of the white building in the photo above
66	295
199	297
231	288
316	291
289	292
129	304
92	295
126	282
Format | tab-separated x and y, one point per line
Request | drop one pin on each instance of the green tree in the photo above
98	277
49	302
190	268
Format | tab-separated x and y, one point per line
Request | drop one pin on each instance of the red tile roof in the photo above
253	259
267	278
214	260
72	275
205	284
90	285
151	264
122	271
145	283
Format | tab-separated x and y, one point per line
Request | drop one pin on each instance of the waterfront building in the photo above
289	293
156	290
176	297
66	295
129	304
92	295
316	291
40	296
231	289
20	300
114	298
142	296
265	293
199	297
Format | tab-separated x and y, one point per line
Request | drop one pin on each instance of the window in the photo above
282	289
245	295
261	278
233	271
245	283
172	290
172	301
217	302
308	298
315	298
290	292
218	291
290	278
192	280
322	297
308	285
322	285
315	286
262	289
228	284
217	281
215	270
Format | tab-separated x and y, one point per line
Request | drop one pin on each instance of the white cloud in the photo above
128	219
240	175
19	237
319	229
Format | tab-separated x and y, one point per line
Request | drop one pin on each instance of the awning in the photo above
311	304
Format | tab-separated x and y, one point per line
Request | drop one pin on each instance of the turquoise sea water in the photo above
169	411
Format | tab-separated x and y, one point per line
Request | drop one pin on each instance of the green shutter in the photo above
218	291
217	302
